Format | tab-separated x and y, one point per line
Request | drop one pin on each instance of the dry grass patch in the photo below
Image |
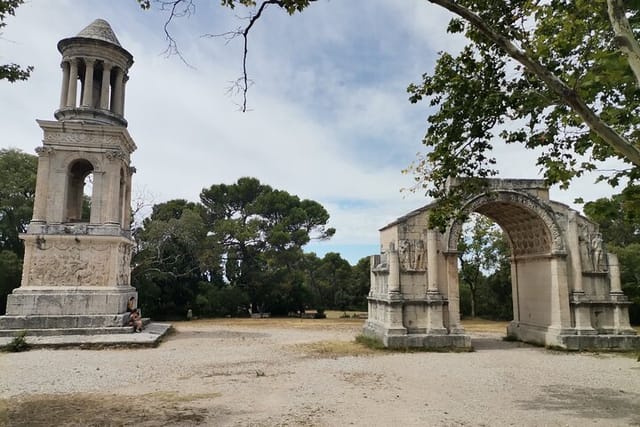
333	349
274	322
94	409
482	325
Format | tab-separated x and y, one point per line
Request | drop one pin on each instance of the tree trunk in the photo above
473	301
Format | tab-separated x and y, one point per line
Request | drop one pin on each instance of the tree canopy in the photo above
17	192
241	248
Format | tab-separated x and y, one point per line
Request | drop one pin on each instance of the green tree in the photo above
17	191
261	232
10	275
361	283
334	283
11	72
483	250
167	268
618	216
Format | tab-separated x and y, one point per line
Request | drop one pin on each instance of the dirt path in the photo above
306	373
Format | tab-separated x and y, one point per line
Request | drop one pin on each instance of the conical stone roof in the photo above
100	30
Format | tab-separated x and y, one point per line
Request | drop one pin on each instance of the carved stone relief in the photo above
79	139
124	264
530	226
62	264
115	155
591	248
412	254
43	151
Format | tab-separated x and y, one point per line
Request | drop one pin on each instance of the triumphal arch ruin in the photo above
566	287
76	273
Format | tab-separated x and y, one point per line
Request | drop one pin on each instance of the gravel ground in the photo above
220	374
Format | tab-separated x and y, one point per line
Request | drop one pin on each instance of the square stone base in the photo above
601	342
424	341
69	301
40	310
573	339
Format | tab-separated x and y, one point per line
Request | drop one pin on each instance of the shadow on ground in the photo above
483	343
588	403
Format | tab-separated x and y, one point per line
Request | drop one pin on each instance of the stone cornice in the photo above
84	134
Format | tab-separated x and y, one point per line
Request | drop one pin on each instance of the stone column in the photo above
87	86
394	270
116	94
573	243
65	84
73	83
42	184
124	86
451	261
432	261
515	291
104	89
614	274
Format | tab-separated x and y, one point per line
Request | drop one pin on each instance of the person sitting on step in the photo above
135	320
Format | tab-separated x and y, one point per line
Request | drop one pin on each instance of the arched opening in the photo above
529	230
79	191
484	270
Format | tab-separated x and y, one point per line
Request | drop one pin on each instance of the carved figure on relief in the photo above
596	247
585	247
419	255
404	249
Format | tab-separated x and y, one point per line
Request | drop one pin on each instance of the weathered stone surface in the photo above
76	273
566	288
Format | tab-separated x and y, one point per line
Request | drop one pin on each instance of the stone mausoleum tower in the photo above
76	270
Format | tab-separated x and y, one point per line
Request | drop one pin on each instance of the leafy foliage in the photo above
260	233
17	191
240	249
18	343
11	72
485	270
483	96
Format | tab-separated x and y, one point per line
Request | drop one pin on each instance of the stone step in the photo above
44	332
150	337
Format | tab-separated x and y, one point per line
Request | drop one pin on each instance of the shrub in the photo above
18	343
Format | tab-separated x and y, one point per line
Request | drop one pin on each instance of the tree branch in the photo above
624	35
569	96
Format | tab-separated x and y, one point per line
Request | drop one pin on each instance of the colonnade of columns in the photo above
106	92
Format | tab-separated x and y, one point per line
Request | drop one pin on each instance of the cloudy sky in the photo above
329	115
